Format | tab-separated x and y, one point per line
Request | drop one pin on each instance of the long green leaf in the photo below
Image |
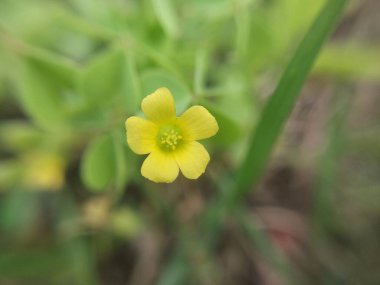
283	99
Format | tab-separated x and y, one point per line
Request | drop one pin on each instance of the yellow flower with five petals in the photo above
170	141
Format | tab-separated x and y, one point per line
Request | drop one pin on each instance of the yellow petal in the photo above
192	159
141	134
160	166
198	123
159	106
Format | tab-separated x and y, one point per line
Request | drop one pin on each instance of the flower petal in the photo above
192	159
141	134
160	166
198	123
159	106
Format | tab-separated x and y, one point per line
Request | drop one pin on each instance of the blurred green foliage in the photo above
80	70
72	71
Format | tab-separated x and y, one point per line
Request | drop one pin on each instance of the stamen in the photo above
169	138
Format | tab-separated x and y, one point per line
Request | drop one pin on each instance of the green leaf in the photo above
280	104
102	79
110	83
98	167
104	163
154	79
43	84
229	129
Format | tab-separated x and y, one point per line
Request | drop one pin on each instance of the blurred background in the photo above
74	208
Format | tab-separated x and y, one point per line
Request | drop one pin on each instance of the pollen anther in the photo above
169	137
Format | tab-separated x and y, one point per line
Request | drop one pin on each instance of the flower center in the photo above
169	138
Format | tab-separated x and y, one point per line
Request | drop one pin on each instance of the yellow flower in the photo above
170	141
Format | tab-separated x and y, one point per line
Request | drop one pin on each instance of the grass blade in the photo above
283	99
